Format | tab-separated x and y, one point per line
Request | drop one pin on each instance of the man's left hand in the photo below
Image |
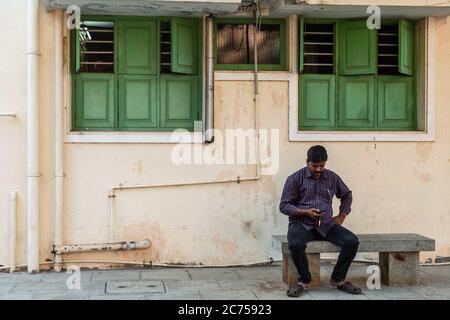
339	219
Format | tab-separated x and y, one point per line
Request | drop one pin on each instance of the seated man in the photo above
307	200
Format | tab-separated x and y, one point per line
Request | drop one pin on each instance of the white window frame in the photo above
71	136
429	113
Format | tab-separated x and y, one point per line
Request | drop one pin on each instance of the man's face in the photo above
316	168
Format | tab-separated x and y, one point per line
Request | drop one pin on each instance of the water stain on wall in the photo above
226	246
423	151
425	177
151	231
138	167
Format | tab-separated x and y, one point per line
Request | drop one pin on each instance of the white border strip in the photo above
123	137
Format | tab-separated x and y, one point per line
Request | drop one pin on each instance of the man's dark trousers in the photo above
298	237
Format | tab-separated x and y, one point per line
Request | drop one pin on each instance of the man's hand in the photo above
313	213
339	219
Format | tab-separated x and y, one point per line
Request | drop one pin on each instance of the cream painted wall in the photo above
398	186
12	130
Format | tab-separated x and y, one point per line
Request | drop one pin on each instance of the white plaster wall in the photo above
397	186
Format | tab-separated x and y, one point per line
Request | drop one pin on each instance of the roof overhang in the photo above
354	9
390	9
148	7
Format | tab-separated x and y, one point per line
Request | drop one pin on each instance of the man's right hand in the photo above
311	212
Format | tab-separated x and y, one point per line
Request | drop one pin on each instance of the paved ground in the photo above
248	283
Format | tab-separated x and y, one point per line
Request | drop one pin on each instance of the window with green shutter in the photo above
136	74
371	71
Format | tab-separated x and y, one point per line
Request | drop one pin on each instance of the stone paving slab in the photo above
117	297
329	293
119	275
20	277
213	274
278	294
243	284
227	294
6	288
93	287
392	293
39	287
194	295
190	285
216	283
165	274
434	293
138	287
272	273
27	296
86	276
60	296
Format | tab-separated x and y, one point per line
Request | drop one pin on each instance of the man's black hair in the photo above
317	154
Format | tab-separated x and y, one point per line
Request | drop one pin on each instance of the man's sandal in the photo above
348	287
296	289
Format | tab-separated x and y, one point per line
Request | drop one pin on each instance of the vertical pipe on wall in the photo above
209	125
293	43
59	131
12	231
33	173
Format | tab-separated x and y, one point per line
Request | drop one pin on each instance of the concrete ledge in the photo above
383	242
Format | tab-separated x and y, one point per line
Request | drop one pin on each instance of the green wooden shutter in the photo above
405	47
76	50
94	101
357	102
317	101
184	38
395	102
300	43
137	101
357	48
179	101
137	47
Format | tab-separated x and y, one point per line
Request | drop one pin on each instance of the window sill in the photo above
362	136
134	137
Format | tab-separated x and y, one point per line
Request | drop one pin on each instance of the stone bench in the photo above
398	256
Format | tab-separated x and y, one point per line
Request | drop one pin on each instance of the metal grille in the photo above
318	48
96	46
235	44
388	49
165	45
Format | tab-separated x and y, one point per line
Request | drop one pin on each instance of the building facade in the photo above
118	127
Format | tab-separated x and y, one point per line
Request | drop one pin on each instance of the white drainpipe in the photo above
33	173
12	231
209	66
59	132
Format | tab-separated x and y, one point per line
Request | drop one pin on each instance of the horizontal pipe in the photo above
114	246
179	184
8	115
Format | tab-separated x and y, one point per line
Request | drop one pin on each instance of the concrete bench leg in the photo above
290	274
399	268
